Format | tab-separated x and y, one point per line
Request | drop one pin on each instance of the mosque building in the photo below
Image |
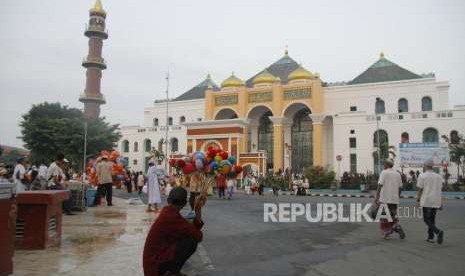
286	116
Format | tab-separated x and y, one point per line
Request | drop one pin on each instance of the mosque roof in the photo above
232	81
198	91
384	70
280	69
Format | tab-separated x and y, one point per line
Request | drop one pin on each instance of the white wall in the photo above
192	110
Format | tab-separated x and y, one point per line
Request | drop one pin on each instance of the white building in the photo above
404	106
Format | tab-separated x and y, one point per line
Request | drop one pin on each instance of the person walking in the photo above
43	176
221	185
140	182
430	200
261	184
247	183
128	182
389	188
55	177
153	188
105	179
19	174
231	184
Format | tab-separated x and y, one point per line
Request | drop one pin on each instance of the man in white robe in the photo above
153	188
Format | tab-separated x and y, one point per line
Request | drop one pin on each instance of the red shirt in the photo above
221	181
167	229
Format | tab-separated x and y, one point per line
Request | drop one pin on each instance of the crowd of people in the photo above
28	177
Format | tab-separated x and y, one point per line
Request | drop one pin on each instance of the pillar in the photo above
278	143
243	141
317	139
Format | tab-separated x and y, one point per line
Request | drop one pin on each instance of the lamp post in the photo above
378	144
85	148
167	117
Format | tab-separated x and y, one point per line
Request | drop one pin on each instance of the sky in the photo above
42	46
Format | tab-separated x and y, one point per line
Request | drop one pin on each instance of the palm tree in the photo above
386	151
158	156
456	151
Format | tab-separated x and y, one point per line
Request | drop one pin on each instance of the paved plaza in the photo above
109	241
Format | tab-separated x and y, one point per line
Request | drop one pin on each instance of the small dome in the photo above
232	81
264	77
300	74
98	8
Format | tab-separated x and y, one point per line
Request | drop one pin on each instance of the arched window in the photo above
265	136
170	121
155	122
136	147
182	119
454	137
125	146
402	105
404	138
379	106
174	144
148	145
430	135
426	104
160	145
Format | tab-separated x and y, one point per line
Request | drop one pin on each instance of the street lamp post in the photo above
378	145
85	148
167	117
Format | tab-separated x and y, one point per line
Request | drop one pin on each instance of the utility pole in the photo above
85	147
167	117
377	141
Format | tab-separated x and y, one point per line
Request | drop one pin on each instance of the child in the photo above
231	183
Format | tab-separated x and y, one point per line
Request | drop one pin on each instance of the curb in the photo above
366	195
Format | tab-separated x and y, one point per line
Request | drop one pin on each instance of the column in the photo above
317	120
278	143
243	142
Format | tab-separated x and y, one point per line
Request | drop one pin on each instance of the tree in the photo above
386	151
456	151
50	128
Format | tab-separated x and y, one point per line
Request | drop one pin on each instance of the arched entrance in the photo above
261	132
226	114
301	137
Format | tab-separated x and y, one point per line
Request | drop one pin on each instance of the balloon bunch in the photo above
208	164
118	169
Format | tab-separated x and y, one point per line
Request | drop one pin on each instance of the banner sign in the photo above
415	154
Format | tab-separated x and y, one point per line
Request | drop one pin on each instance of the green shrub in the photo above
319	178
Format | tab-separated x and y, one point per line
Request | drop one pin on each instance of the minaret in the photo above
95	31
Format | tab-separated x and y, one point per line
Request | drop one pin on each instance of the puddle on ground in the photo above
110	214
87	242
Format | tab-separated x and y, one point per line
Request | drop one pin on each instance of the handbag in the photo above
144	189
373	211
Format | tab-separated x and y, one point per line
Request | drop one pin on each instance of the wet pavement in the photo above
101	241
109	241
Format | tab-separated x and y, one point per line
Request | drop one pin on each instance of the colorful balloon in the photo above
188	168
224	155
214	165
181	164
225	170
199	164
232	159
218	158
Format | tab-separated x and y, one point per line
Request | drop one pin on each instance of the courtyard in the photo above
110	240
